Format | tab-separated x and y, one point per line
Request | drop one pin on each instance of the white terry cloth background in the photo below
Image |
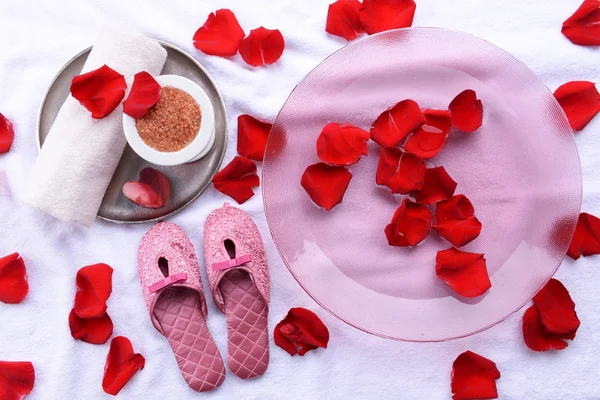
37	38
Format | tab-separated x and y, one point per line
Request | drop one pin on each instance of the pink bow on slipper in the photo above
234	262
169	280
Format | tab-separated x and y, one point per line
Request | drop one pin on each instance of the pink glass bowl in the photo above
521	171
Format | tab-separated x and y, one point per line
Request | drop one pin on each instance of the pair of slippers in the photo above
236	265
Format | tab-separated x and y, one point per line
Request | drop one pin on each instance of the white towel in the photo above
80	154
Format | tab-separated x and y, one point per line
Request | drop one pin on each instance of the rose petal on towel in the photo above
455	220
145	92
580	101
326	184
237	179
301	331
467	111
151	191
438	186
556	308
474	377
100	90
342	144
16	379
428	140
220	35
253	135
465	273
383	15
586	240
343	19
91	330
410	224
94	286
262	46
396	123
121	364
535	335
13	279
401	172
583	27
7	134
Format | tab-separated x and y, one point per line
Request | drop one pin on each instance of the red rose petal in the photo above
253	135
455	220
16	379
220	35
301	331
536	337
90	330
586	240
145	92
100	91
94	286
7	134
465	273
583	27
325	184
121	364
429	139
343	19
151	191
580	101
262	46
474	377
237	179
382	15
401	172
556	308
396	123
342	144
410	224
13	279
438	186
467	111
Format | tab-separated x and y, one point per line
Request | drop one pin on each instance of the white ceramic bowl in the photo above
201	144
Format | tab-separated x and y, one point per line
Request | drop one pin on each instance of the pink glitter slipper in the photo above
237	269
172	287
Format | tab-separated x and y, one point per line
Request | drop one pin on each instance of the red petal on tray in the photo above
94	286
343	20
7	134
90	330
220	35
237	179
16	379
535	335
13	279
583	27
586	240
342	144
301	331
410	224
121	364
465	273
100	91
580	101
396	123
401	172
326	184
467	111
253	135
262	46
557	309
438	186
474	377
145	92
382	15
455	220
429	139
152	190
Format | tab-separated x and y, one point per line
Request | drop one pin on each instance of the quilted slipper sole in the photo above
247	331
179	313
